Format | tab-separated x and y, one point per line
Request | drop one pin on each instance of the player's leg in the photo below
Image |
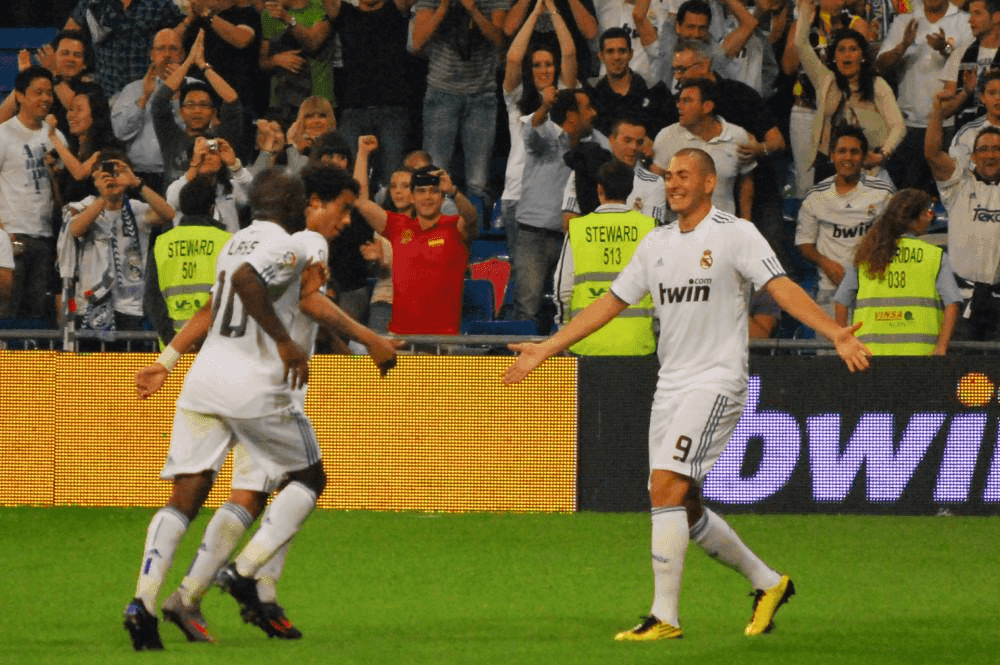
163	535
223	533
221	537
714	535
198	446
668	547
284	518
721	542
687	434
283	446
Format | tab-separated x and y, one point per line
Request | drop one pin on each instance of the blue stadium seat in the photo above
477	300
484	248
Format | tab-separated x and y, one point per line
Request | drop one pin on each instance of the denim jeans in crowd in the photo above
475	116
535	258
388	124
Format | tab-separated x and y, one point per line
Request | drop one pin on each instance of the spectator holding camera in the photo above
209	106
112	232
215	159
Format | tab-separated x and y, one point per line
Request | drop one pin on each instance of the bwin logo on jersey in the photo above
852	231
696	290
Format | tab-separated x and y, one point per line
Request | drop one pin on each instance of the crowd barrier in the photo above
442	433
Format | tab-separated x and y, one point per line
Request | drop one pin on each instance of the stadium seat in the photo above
484	248
477	300
497	271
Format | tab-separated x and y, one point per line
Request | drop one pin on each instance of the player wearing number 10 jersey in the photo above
243	387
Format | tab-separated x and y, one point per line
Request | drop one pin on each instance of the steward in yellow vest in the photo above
185	269
181	267
902	313
598	247
905	293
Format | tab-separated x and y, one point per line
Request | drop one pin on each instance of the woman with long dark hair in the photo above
848	92
90	132
531	67
902	288
830	17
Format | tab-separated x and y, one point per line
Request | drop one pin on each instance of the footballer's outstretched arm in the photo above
323	311
593	317
151	378
794	300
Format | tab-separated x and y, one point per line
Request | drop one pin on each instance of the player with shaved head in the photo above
698	271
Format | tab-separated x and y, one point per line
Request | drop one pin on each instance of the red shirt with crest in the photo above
428	275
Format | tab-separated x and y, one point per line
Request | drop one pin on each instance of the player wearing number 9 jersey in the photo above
698	271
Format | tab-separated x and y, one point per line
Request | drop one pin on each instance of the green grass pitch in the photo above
552	589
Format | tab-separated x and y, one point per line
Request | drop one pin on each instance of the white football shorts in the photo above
688	433
270	447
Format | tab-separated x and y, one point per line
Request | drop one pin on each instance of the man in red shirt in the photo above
429	256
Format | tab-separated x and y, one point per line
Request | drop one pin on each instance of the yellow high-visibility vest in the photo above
603	244
902	313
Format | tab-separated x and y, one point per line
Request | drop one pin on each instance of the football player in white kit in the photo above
247	384
698	270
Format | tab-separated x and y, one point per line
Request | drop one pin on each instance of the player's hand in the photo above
851	350
314	277
383	353
296	363
149	379
529	356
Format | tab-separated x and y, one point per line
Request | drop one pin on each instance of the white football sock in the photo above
720	542
670	541
270	573
282	521
162	537
222	535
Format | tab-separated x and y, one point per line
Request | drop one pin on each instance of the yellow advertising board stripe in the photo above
440	433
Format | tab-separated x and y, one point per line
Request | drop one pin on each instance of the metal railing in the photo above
147	341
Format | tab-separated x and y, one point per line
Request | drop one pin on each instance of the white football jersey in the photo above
973	226
700	283
836	222
238	372
302	329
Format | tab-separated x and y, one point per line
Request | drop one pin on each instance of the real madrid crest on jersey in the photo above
637	204
289	260
871	210
406	236
706	259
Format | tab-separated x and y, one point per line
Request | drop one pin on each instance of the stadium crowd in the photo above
130	142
